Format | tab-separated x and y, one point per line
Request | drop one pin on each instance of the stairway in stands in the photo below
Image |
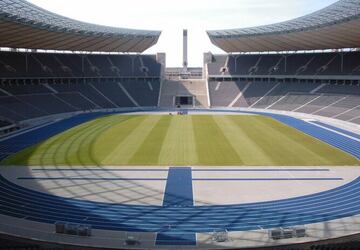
194	87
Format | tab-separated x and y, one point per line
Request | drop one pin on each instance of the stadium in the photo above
105	147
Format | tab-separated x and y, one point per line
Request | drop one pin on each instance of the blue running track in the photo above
32	205
178	190
357	136
178	193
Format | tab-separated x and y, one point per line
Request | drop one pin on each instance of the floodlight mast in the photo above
185	50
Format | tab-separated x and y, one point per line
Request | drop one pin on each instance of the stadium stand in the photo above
58	98
49	65
114	81
295	64
42	84
337	101
323	84
7	126
4	123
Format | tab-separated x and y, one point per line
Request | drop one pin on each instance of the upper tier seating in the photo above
310	64
41	84
15	65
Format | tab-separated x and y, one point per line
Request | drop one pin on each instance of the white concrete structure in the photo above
185	50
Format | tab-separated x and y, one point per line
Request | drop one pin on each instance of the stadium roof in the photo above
334	27
24	25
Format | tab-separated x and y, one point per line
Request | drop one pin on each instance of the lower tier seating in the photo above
336	101
21	104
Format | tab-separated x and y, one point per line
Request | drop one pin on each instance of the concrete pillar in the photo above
185	50
207	59
161	58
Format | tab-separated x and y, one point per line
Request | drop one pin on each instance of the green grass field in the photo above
193	140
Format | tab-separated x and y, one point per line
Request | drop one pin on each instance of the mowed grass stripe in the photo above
78	149
82	147
149	150
179	147
266	138
267	143
49	152
129	140
72	147
307	149
74	150
249	151
212	146
54	151
287	146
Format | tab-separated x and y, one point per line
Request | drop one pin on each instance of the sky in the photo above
171	17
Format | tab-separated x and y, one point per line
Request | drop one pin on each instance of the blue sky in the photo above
172	16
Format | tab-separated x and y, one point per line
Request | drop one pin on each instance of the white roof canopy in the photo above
334	27
24	25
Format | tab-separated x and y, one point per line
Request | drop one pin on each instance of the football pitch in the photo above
191	140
